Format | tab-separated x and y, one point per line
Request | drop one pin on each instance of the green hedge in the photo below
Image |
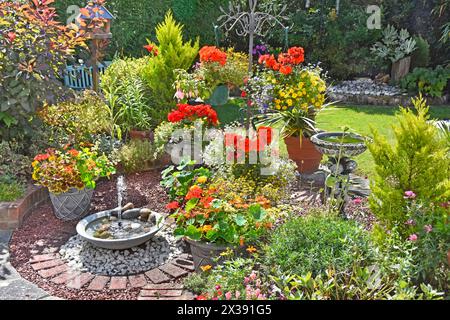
136	20
340	43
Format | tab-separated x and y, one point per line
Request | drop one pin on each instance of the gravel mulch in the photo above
42	232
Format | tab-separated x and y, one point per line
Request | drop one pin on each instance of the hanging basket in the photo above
73	204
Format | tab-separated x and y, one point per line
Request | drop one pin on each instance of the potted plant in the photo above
289	97
70	175
213	76
210	225
397	46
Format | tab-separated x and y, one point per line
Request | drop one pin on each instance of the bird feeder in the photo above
95	20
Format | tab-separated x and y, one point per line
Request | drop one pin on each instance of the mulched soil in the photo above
42	232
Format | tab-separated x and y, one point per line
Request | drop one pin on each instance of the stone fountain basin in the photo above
116	244
333	148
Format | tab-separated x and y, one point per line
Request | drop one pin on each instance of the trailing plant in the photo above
417	161
79	119
34	49
395	44
173	54
61	170
427	81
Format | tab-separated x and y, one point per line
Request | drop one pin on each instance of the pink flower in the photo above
258	292
179	95
246	280
413	237
357	201
228	295
218	287
410	222
253	276
238	294
428	228
409	195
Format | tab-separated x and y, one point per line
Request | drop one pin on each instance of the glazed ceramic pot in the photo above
304	154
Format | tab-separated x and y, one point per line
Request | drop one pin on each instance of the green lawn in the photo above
361	118
358	118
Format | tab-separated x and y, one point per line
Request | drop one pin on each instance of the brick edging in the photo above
13	213
160	283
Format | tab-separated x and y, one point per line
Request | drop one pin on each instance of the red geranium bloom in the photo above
194	192
201	297
41	157
206	202
243	94
286	70
173	205
297	55
212	54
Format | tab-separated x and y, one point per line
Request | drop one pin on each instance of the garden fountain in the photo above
120	228
339	147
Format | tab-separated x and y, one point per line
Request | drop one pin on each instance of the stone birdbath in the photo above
340	147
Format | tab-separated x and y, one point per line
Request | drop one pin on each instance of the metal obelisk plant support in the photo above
250	23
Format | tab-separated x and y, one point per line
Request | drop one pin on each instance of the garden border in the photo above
394	101
13	213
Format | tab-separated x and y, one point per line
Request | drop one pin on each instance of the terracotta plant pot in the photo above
306	156
141	135
204	253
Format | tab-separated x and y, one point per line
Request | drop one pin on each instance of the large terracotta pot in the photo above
305	154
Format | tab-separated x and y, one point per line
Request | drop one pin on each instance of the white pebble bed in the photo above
84	257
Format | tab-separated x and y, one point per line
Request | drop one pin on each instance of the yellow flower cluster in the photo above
308	89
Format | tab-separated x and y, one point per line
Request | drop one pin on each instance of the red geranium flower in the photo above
243	94
149	47
194	192
286	70
212	54
297	55
41	157
173	205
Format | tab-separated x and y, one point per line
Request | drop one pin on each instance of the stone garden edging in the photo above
382	100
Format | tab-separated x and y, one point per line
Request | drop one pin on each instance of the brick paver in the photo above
42	257
173	270
161	293
46	264
157	276
98	283
118	283
80	281
48	273
137	281
65	277
185	264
